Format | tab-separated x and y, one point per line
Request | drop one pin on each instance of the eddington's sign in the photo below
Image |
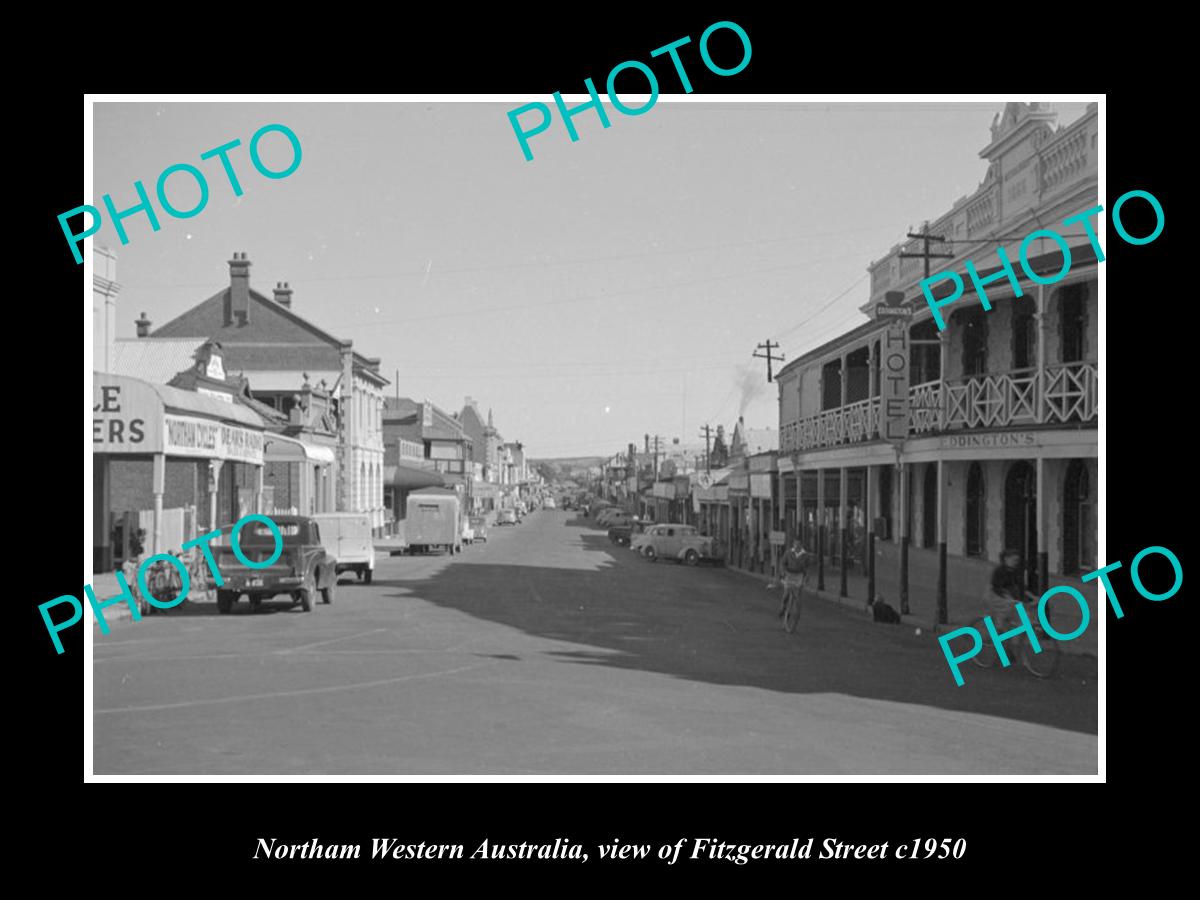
1005	439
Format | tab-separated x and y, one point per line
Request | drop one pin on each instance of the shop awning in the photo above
410	477
130	415
281	448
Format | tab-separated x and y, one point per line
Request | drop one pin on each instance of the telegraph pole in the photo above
707	453
768	345
925	237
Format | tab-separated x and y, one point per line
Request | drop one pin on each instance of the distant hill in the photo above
571	462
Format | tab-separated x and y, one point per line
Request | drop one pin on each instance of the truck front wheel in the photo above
225	601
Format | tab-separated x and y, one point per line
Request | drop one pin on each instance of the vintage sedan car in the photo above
506	516
301	569
682	543
639	542
479	528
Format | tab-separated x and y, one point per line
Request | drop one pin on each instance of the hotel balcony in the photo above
1060	394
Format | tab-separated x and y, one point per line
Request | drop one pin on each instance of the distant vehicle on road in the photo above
682	543
347	537
479	528
434	521
506	516
550	503
303	567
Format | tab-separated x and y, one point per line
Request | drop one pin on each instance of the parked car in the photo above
347	537
682	543
605	515
506	516
550	504
622	533
639	542
617	517
479	528
302	568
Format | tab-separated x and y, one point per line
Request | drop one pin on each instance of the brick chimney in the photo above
283	294
237	307
143	326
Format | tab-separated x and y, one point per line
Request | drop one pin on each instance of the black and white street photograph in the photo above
641	436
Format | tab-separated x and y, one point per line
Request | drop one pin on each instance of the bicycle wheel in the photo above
987	657
1044	664
791	612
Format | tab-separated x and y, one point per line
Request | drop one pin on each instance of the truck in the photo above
434	521
302	568
347	536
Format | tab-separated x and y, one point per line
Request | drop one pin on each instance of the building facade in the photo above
280	353
947	446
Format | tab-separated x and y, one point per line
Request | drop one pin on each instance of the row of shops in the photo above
908	457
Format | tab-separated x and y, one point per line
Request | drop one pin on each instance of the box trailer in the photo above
433	521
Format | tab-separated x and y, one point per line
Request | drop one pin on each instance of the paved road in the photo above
549	651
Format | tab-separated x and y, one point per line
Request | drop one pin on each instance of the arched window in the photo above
1072	322
976	511
1024	338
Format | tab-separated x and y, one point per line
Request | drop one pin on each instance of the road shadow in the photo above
716	626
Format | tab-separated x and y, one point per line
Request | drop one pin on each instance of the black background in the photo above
204	835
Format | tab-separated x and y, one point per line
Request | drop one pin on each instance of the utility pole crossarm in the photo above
768	346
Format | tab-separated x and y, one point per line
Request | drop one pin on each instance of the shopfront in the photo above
299	478
169	462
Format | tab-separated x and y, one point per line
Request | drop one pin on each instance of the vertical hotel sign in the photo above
894	347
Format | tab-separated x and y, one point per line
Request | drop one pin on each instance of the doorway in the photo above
1020	516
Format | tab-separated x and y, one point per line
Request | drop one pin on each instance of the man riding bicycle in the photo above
795	569
1006	589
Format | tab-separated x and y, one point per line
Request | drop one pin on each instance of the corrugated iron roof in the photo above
156	360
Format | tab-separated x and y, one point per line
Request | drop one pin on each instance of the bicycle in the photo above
1043	664
792	590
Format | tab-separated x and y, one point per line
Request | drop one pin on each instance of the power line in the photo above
825	305
422	272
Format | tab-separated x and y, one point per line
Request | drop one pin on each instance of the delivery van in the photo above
434	521
347	537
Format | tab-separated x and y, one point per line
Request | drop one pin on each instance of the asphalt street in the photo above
548	651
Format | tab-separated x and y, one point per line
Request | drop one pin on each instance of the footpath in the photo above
923	606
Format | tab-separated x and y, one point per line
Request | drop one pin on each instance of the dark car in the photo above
623	532
302	568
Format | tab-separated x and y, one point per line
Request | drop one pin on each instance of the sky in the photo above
612	287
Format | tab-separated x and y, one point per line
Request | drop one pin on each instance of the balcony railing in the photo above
1056	394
